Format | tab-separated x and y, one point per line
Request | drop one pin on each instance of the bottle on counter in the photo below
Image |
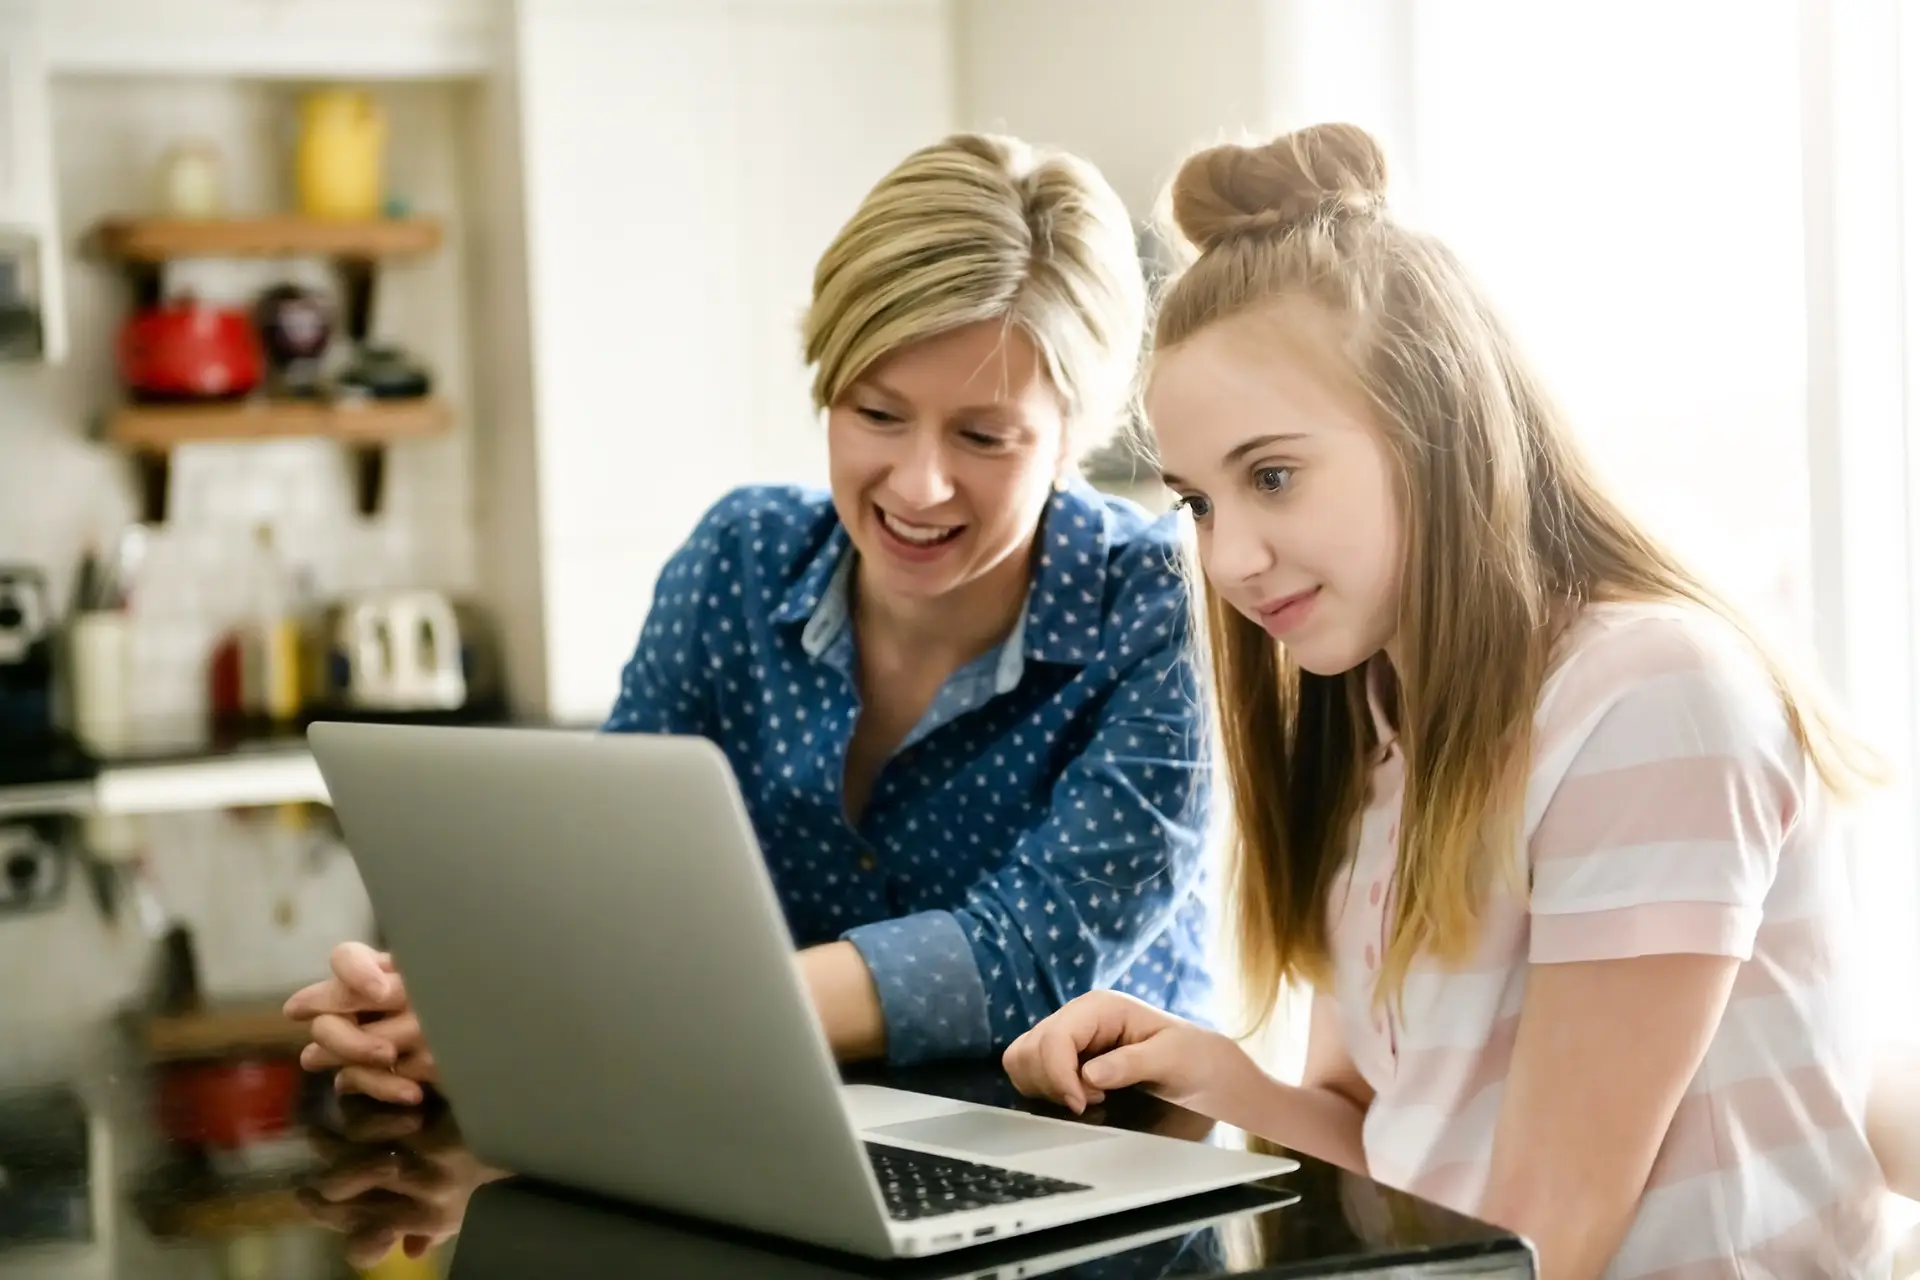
226	680
308	616
100	679
99	653
270	637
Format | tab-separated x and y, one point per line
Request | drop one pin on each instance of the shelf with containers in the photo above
381	399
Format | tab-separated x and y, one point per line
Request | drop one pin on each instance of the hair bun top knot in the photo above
1325	172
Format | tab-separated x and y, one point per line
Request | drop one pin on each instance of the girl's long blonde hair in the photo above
1508	531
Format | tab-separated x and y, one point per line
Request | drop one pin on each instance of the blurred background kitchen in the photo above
368	358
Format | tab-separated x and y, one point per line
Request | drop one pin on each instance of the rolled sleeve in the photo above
1665	834
931	994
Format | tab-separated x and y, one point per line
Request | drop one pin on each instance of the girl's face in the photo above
1290	482
943	456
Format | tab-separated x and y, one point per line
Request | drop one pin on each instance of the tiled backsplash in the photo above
59	488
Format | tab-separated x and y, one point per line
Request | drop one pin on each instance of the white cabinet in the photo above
24	168
29	222
360	39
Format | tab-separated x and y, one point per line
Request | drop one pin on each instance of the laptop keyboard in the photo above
919	1185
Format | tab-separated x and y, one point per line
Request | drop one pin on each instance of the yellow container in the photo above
339	160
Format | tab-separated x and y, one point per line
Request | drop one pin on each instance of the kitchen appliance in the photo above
227	1104
185	349
20	337
26	618
295	325
26	654
385	372
33	865
396	651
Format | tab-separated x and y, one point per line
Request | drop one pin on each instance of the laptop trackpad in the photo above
990	1133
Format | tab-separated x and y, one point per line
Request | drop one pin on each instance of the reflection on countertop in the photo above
138	973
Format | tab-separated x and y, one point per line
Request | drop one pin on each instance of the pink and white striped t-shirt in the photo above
1668	810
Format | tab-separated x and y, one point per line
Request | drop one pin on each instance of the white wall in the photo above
1648	247
1698	238
685	165
1131	86
1639	219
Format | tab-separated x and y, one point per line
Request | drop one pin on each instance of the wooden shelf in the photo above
143	245
158	239
158	427
151	432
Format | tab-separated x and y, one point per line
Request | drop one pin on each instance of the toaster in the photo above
396	651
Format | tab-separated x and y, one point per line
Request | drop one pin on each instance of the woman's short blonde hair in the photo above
983	227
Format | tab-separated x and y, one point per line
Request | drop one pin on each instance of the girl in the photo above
1535	815
954	688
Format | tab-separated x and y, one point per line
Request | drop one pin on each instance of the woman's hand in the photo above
392	1178
1104	1041
363	1028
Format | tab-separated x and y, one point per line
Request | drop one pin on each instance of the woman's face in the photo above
942	456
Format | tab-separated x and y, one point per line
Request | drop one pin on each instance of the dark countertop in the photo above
350	1180
128	1153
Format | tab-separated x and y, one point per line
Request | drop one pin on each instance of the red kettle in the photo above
184	349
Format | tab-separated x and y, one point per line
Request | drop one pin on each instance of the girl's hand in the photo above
1104	1041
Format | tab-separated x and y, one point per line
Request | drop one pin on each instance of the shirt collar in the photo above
829	566
1063	617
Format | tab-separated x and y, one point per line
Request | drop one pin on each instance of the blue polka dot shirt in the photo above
1038	834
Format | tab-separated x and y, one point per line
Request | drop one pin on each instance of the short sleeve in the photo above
1664	832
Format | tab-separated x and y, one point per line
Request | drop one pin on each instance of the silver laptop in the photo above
599	960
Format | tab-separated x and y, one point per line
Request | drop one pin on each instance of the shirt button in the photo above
867	862
1373	959
1373	894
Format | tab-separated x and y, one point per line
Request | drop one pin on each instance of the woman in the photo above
1521	798
955	690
